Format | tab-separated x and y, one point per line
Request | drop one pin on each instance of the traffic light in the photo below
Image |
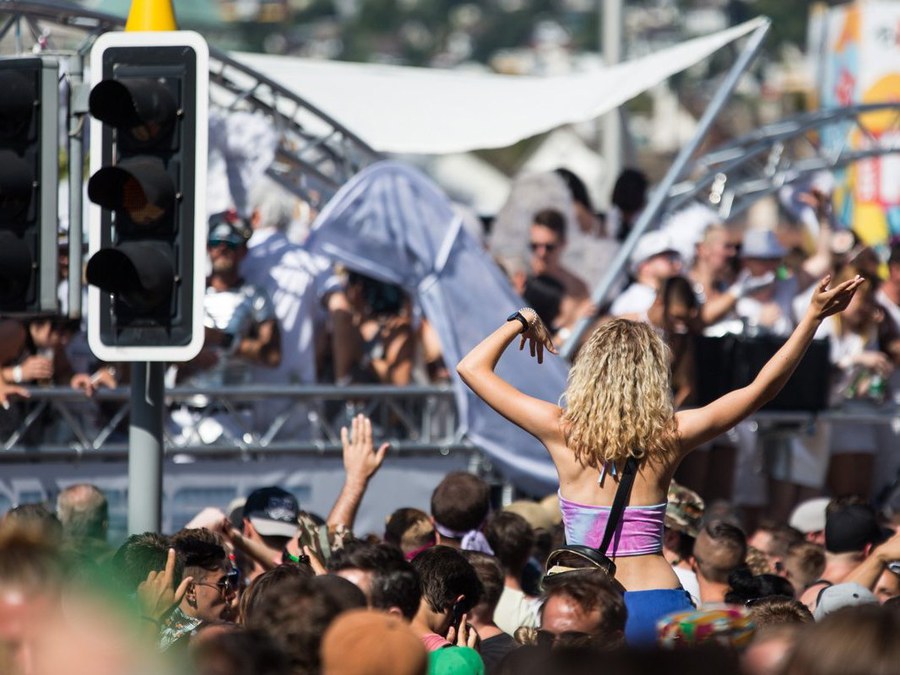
148	103
29	171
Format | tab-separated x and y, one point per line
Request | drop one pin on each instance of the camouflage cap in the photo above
684	510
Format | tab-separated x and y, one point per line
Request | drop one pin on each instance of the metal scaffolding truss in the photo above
735	175
315	155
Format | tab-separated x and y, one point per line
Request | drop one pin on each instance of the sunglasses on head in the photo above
535	246
215	243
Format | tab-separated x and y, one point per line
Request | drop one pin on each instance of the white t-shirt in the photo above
689	583
516	609
636	299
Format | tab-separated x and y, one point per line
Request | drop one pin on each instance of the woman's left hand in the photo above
826	302
537	336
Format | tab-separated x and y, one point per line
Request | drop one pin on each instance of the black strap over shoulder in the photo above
626	482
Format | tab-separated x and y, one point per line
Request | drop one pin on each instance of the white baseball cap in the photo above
649	245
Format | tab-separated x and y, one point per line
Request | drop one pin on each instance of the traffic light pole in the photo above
78	108
145	447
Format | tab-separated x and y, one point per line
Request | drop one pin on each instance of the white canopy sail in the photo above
429	111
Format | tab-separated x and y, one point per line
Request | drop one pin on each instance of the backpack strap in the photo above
626	482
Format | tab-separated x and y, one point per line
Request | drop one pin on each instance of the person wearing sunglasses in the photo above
547	239
240	316
653	260
212	595
582	609
241	330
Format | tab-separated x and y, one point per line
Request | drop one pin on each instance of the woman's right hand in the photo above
874	360
537	336
826	302
37	368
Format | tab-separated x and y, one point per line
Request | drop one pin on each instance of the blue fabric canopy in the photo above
392	223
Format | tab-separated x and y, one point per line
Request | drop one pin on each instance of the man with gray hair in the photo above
84	513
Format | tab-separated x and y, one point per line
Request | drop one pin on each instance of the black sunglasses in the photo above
230	245
226	584
570	638
534	246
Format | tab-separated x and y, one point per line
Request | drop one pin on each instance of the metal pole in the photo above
145	448
611	42
661	192
77	109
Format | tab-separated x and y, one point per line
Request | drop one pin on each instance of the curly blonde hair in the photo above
618	401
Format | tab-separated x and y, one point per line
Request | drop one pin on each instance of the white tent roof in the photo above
427	111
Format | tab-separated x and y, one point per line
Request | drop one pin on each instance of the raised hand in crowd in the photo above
536	335
826	302
158	595
361	463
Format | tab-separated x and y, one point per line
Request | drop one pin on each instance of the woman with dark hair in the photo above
385	346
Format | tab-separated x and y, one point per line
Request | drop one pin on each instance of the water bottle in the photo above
877	388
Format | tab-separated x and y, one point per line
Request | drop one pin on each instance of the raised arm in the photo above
702	424
537	417
361	462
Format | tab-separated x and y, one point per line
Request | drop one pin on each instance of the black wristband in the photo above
517	316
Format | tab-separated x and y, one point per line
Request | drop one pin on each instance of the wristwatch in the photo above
517	316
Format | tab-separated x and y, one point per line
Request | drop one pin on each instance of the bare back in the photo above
582	484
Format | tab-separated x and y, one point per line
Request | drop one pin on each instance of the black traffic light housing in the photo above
29	175
149	103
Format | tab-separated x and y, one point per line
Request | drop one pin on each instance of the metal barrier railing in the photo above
233	421
58	422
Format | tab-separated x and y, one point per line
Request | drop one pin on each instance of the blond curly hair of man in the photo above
618	400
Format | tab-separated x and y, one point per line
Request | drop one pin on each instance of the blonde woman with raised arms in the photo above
618	403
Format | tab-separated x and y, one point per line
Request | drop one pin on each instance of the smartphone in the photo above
457	612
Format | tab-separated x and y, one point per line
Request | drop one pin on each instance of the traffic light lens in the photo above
136	205
16	105
15	269
140	274
144	110
16	187
138	187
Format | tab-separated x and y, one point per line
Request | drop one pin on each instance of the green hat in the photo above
455	661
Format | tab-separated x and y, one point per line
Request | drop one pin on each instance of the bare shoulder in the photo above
690	427
556	444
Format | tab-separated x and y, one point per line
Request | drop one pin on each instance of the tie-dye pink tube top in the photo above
640	530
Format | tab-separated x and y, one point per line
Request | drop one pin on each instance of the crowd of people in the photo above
718	293
262	587
767	553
